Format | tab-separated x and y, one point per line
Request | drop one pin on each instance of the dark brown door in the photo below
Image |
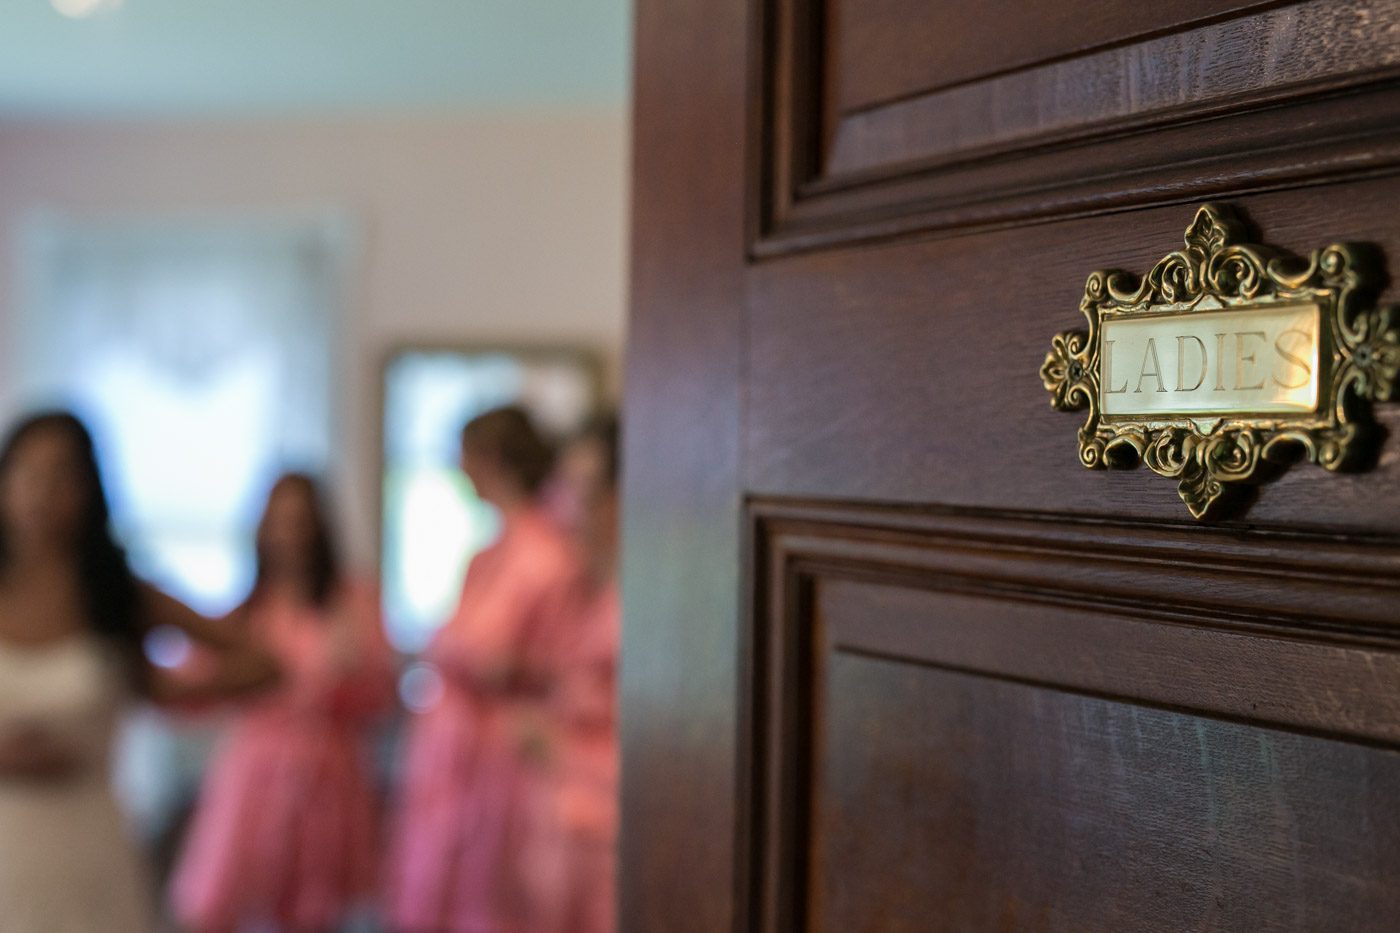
893	659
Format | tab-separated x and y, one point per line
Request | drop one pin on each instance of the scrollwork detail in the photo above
1217	269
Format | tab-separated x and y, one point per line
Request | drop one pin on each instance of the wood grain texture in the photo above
1177	572
939	675
1189	112
878	51
957	741
1176	615
916	378
682	507
1354	135
1006	806
1262	57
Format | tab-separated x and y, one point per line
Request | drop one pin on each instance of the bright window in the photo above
432	520
200	354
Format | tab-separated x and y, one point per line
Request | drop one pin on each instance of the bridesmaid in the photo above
574	845
73	619
456	861
284	832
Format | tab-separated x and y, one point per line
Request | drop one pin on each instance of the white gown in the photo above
67	864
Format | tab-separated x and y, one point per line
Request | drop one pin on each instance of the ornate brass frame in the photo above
1210	456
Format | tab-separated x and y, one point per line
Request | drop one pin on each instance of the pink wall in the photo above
493	227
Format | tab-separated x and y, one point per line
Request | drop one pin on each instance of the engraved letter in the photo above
1155	372
1108	371
1181	363
1292	360
1220	362
1241	359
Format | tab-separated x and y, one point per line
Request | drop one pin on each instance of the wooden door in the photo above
893	659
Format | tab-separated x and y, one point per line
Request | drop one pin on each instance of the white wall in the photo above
489	227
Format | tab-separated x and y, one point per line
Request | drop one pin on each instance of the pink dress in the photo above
456	862
584	700
285	830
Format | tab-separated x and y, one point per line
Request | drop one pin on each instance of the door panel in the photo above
893	660
880	51
976	722
897	116
1003	805
916	375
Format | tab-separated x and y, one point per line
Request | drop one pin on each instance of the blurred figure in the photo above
455	865
573	850
285	829
72	623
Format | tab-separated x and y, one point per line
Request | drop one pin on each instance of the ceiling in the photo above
298	56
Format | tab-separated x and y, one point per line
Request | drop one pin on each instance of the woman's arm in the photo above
358	676
239	666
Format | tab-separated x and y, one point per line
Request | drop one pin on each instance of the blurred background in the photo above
243	236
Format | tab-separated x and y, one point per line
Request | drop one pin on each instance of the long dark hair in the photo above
324	560
510	435
110	593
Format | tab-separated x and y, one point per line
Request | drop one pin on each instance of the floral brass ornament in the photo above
1235	408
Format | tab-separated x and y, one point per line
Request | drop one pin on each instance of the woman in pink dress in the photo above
456	861
575	843
285	830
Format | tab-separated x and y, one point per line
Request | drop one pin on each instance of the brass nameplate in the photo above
1226	359
1260	360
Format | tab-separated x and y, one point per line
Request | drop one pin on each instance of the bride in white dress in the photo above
72	621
